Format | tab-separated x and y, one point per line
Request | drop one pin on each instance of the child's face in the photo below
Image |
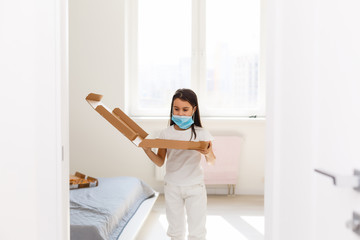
182	108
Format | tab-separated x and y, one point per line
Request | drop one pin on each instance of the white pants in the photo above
193	199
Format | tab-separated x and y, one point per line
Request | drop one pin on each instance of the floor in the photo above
229	217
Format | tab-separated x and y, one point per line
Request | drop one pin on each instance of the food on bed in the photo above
80	180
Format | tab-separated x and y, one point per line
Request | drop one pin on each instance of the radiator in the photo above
225	171
227	150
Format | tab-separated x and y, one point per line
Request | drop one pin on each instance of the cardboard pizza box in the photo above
80	180
134	132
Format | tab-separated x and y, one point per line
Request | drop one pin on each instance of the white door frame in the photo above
63	70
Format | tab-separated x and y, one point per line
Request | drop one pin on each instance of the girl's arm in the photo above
158	158
209	154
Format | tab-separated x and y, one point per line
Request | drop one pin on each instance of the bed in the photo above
114	210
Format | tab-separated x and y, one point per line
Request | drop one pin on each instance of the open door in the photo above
313	119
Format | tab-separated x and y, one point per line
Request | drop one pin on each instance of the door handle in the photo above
343	181
354	223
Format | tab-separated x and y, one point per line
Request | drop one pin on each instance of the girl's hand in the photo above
209	154
205	151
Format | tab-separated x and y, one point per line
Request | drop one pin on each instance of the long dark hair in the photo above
188	95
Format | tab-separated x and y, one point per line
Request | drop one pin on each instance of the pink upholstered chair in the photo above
226	169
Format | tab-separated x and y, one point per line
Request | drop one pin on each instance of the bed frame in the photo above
136	222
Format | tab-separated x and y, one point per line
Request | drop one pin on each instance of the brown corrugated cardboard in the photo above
134	132
161	143
131	124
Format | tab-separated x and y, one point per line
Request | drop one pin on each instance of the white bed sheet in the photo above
102	213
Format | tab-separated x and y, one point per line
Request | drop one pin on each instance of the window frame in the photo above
198	66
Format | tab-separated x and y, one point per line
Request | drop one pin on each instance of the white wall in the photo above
32	63
97	65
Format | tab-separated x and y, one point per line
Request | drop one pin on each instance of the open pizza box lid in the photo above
134	132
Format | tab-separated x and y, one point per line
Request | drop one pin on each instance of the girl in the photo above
184	181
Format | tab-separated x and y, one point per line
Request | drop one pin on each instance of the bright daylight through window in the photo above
210	46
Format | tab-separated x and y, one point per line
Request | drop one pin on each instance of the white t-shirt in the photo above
183	166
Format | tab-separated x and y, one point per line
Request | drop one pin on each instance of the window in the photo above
210	46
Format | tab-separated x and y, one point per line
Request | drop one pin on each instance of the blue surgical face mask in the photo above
184	122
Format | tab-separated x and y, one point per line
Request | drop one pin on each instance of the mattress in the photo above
101	213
